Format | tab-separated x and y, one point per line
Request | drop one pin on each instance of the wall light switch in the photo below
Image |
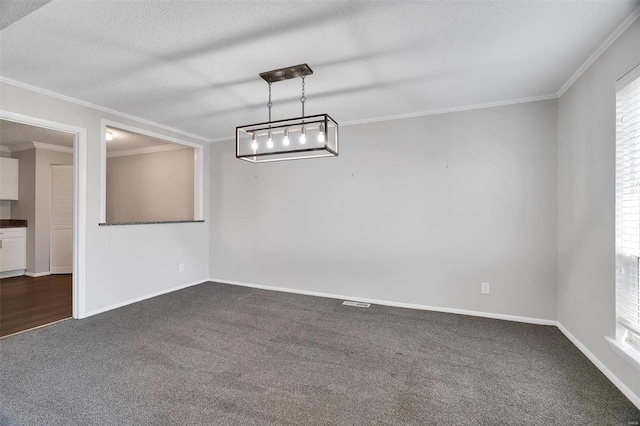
485	288
181	267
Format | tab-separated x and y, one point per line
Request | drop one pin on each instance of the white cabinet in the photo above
8	178
13	249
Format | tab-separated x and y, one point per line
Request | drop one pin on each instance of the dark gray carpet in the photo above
218	354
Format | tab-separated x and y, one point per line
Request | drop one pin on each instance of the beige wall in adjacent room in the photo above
150	187
25	207
5	209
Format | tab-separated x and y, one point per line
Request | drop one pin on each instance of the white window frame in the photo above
198	166
627	275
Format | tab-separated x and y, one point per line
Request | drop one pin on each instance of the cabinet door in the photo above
8	178
12	254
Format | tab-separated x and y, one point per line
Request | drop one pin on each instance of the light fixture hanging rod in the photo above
270	104
286	73
303	98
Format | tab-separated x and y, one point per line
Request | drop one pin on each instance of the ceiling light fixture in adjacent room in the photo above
281	140
109	136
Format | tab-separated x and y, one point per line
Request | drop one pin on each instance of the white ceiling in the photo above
194	65
13	10
13	134
124	140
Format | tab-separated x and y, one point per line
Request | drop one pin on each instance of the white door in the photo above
61	241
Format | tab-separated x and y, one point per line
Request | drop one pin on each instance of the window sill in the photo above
626	351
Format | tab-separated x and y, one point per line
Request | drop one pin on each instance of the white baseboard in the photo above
141	298
635	399
11	274
36	275
527	320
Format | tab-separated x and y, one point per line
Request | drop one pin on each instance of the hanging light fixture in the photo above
310	136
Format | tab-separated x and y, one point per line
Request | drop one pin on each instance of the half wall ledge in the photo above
148	223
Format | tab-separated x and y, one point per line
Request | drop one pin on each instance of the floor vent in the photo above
356	304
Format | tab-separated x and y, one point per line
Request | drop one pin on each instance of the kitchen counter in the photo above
13	223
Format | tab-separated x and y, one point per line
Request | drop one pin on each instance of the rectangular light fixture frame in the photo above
313	126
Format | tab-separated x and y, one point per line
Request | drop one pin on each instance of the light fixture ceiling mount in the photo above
286	73
297	138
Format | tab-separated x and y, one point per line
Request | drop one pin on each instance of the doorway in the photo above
51	208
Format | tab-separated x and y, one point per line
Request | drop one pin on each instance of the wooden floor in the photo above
27	302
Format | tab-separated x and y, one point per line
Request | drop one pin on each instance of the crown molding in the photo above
50	147
4	148
39	145
147	150
430	112
620	29
98	107
450	110
600	50
223	139
21	147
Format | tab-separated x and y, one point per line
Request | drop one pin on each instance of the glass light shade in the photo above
279	151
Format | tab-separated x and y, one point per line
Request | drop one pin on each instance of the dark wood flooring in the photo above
27	302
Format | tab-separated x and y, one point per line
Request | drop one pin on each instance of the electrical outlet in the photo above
484	288
181	267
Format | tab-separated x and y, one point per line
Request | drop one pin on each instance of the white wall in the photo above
123	262
586	208
417	210
150	187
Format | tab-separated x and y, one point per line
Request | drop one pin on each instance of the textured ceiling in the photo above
12	133
14	10
124	140
194	65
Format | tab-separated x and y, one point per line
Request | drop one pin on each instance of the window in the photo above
628	208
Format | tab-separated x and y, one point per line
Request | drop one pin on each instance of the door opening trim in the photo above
79	202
